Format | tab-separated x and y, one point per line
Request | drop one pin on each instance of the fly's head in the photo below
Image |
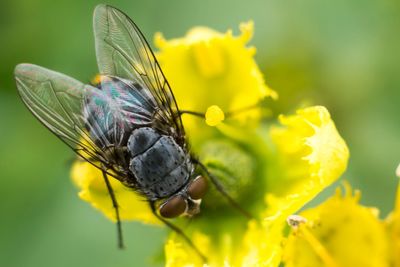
187	201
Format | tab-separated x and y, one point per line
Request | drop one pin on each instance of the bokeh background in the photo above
342	54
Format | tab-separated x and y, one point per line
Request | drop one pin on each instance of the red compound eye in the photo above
173	207
197	188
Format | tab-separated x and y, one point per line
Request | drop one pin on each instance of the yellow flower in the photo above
298	144
339	232
208	68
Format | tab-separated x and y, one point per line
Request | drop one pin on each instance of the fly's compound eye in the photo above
197	188
173	207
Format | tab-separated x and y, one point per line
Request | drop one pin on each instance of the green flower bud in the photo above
235	169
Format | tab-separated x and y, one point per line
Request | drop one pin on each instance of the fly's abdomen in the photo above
159	164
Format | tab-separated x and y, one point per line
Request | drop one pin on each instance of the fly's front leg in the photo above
221	189
115	205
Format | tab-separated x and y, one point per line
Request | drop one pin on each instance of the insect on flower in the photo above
128	125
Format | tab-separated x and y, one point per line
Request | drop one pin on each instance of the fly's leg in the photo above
178	231
221	189
194	113
228	114
115	205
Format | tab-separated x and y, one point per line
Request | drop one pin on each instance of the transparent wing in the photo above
123	51
58	102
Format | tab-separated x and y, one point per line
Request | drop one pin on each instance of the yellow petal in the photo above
92	187
247	30
311	155
209	59
179	254
261	246
350	234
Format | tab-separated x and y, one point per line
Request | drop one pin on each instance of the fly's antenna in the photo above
115	205
221	189
178	231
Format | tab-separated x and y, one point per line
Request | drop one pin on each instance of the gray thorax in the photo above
161	167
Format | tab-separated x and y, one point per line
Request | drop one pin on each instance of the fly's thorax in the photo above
160	166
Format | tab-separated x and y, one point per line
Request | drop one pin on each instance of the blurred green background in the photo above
341	54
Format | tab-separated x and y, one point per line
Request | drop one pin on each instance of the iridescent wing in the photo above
61	104
122	51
